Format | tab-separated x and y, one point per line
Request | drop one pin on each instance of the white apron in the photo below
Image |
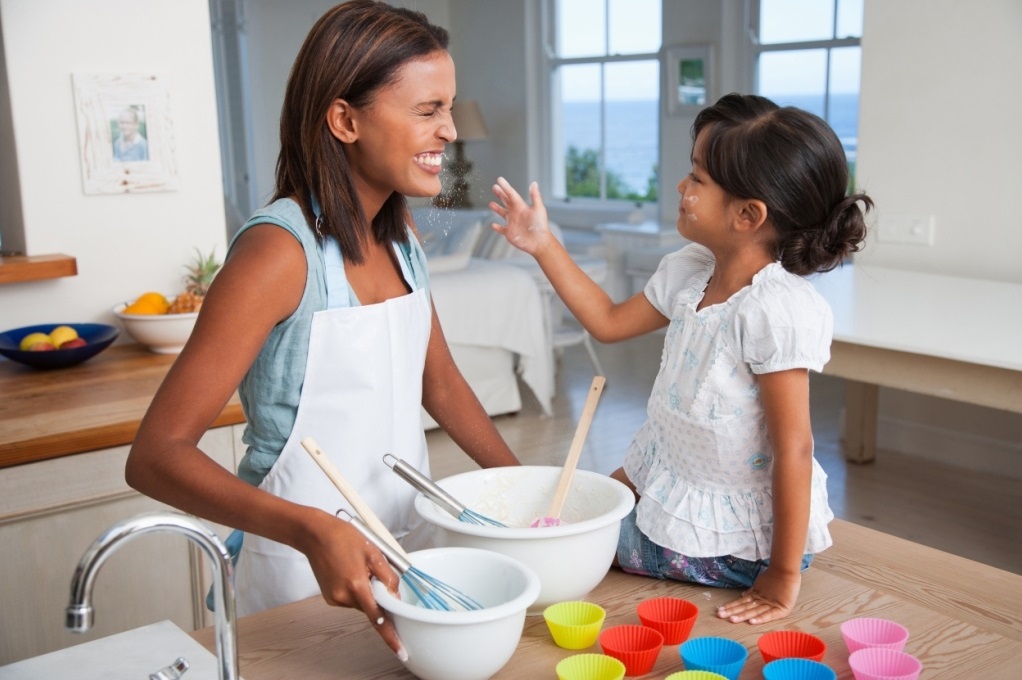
361	399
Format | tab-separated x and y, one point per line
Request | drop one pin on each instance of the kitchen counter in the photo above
95	405
962	618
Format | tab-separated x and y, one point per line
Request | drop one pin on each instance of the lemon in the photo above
61	334
148	303
33	339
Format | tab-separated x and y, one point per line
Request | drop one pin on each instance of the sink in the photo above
134	654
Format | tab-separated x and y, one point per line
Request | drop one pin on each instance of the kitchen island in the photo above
963	619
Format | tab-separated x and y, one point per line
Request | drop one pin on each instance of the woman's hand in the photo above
772	596
527	228
343	562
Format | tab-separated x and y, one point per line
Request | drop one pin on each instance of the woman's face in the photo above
402	134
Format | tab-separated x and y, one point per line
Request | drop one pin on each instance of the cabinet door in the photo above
50	512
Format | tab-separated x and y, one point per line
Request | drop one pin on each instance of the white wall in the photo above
940	135
940	131
124	244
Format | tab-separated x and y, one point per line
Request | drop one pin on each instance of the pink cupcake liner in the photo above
879	663
873	632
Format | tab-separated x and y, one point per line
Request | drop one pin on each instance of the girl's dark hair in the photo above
792	161
354	49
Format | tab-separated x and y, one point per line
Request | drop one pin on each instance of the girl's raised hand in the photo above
771	597
526	226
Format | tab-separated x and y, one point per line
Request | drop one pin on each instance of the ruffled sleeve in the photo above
677	272
784	324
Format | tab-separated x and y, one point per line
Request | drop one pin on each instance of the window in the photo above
807	54
604	113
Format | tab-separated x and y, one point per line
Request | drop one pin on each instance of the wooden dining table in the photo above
964	619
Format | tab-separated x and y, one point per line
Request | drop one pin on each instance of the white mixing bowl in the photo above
463	645
570	559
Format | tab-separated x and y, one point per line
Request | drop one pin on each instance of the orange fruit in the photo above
148	303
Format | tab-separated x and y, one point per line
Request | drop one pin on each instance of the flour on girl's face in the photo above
690	202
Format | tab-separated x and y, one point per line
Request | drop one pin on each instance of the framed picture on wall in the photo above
689	79
125	133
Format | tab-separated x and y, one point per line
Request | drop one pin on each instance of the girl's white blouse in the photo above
702	461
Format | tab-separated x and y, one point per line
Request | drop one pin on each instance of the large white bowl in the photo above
161	333
570	559
463	645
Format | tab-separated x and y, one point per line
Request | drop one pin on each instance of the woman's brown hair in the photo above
354	49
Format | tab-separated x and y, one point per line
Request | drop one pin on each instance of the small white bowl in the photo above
161	333
570	559
463	645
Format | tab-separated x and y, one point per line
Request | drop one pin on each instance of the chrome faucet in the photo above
79	616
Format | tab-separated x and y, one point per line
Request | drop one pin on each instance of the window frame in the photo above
753	14
554	166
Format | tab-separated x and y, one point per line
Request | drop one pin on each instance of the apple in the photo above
72	343
46	346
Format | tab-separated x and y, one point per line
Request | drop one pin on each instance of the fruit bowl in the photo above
161	333
97	337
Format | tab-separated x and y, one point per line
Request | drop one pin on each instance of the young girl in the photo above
729	493
322	321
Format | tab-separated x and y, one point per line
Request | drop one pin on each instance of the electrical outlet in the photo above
907	229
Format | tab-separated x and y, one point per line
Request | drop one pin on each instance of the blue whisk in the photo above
433	492
432	592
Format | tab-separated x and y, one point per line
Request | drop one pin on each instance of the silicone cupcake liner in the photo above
672	616
575	624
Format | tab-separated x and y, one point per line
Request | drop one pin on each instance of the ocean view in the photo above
632	133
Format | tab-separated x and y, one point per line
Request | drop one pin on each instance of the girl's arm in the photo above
528	230
785	397
260	284
448	398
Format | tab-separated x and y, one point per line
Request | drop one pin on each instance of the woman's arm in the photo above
260	284
785	397
448	398
528	230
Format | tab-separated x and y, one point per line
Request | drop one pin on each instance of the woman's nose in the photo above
447	131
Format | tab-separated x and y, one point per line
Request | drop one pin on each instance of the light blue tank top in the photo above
272	387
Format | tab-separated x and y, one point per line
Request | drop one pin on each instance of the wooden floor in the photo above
972	514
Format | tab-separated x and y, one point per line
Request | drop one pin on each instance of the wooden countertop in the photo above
962	616
94	405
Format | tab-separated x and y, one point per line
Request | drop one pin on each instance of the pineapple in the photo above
200	274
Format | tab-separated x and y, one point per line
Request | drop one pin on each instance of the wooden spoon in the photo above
553	517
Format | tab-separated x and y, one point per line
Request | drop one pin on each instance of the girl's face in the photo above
703	209
401	135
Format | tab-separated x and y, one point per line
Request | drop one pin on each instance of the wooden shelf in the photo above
18	268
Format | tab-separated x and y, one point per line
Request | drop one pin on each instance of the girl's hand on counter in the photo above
343	562
772	597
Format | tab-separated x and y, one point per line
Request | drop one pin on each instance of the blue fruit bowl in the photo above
97	337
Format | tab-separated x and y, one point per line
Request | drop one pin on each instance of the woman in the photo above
321	319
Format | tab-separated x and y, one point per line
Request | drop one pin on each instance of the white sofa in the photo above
492	312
